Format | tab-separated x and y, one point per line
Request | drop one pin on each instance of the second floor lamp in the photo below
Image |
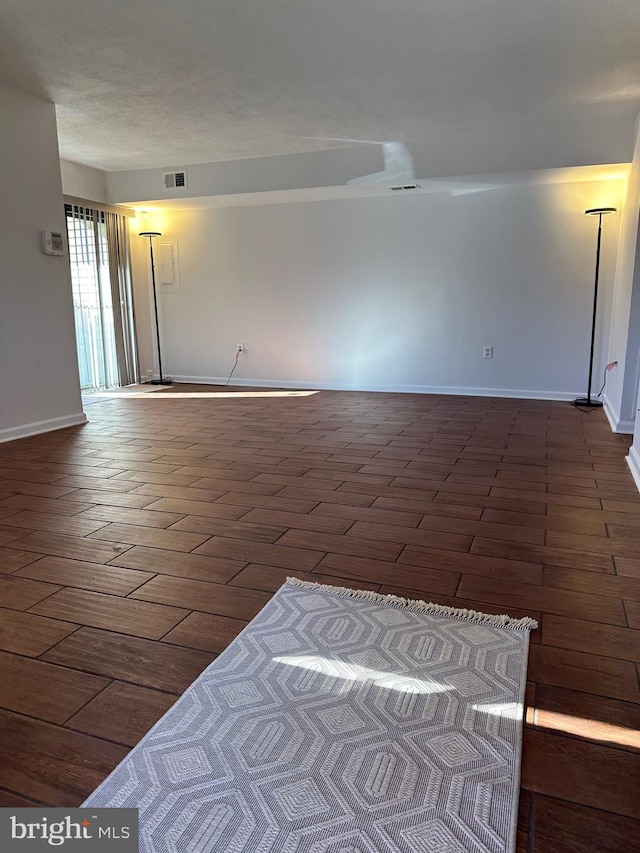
589	401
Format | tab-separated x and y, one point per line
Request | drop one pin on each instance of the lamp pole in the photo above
151	235
587	401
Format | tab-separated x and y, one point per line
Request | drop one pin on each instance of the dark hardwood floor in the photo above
133	550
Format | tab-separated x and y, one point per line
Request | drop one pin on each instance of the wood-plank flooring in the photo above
134	548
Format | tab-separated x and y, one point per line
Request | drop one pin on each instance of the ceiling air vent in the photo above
407	187
175	180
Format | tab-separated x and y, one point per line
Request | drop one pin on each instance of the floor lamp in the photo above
588	401
151	235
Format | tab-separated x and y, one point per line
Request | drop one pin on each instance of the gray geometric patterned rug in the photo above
339	721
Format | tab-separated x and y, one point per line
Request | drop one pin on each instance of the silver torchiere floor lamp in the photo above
151	234
589	401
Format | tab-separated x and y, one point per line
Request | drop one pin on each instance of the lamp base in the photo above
160	382
587	402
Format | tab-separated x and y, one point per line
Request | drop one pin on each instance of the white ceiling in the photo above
157	83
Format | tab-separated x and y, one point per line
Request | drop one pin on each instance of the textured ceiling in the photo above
173	82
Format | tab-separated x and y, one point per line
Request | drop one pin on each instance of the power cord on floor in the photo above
586	410
604	382
238	351
166	380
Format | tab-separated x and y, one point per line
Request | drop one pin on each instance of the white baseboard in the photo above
617	425
514	393
633	461
38	427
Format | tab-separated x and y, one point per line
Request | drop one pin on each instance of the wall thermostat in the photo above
52	242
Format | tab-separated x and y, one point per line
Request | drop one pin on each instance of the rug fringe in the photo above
503	621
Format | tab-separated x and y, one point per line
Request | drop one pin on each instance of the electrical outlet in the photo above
239	347
487	352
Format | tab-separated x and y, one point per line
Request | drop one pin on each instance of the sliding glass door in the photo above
103	307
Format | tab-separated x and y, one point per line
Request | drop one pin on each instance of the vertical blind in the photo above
102	297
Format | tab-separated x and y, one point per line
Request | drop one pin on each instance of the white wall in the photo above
83	181
622	385
259	174
394	293
39	388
